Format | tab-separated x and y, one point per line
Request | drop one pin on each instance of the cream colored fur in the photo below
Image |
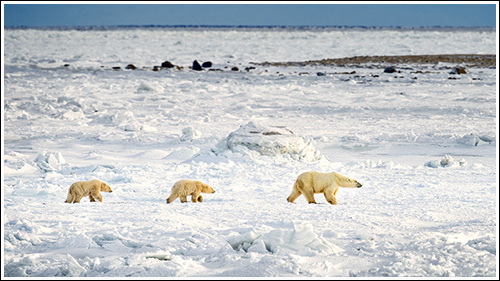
92	188
309	183
184	188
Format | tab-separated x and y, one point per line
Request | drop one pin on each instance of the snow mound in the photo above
446	161
145	87
51	161
125	121
190	133
299	240
269	141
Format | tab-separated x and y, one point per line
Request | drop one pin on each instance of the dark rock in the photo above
249	68
390	69
196	66
458	70
130	66
156	68
320	74
235	69
66	65
167	64
206	64
116	68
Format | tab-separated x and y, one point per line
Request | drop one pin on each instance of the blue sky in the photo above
403	15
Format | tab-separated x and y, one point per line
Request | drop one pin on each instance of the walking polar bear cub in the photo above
92	188
312	182
184	188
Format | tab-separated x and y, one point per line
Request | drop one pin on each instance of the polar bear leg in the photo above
77	198
200	199
183	199
330	197
195	196
309	194
336	189
94	196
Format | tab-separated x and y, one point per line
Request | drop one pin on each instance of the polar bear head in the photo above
105	187
344	181
205	188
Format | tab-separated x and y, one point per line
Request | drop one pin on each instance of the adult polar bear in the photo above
312	182
92	189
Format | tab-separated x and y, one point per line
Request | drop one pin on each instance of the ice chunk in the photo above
50	161
446	161
74	268
270	141
300	239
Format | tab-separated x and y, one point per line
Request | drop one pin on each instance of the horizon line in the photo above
217	26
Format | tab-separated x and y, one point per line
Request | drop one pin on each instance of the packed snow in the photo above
422	141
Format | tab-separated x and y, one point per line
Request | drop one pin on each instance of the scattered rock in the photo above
390	69
206	64
130	66
458	70
196	66
249	68
167	64
320	74
116	68
156	68
66	65
235	68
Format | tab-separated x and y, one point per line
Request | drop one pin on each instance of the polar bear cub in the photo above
92	189
184	188
312	182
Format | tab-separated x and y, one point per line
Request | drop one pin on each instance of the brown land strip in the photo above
360	61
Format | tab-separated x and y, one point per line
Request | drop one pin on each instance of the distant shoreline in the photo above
468	60
251	27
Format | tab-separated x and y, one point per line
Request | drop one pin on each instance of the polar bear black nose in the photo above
359	185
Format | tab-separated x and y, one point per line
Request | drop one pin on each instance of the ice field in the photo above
422	141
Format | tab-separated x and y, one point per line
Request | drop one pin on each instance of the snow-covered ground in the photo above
423	145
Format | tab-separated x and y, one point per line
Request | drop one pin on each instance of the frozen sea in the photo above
422	141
